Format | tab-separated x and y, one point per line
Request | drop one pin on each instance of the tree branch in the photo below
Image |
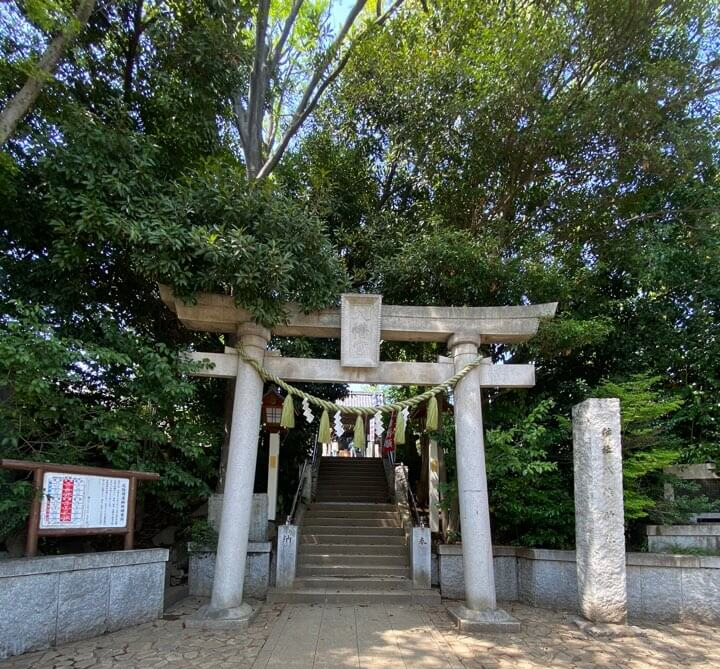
317	85
287	29
25	98
256	96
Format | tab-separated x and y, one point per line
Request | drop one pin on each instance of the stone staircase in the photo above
352	547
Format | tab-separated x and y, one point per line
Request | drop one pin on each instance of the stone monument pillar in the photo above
226	608
599	511
480	611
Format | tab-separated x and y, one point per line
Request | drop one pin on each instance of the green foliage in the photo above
15	498
530	502
203	535
687	500
204	232
483	153
648	445
125	403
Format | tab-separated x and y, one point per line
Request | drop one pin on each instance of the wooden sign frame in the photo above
39	469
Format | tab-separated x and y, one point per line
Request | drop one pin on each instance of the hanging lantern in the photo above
272	406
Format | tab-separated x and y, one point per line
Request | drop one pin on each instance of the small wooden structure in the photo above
127	498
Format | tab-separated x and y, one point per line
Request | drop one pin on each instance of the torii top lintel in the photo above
508	325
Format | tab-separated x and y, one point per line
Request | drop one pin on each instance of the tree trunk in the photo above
132	50
25	98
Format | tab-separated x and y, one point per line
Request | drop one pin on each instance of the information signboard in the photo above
73	500
83	502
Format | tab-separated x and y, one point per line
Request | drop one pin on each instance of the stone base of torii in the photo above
362	323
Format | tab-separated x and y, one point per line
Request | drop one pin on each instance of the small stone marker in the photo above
599	515
360	326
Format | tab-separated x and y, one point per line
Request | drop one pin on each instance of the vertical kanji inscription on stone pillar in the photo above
360	330
599	511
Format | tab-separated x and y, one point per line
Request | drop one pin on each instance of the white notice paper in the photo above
79	501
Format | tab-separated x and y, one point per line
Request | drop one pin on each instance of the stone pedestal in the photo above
226	608
287	548
258	515
209	618
201	570
487	620
599	514
421	557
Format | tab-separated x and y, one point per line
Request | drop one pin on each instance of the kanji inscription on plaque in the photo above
360	330
77	501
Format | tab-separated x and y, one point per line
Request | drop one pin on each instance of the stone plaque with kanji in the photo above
360	330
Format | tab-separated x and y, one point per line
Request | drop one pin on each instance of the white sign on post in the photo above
80	502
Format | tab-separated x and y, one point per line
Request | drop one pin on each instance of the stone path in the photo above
380	637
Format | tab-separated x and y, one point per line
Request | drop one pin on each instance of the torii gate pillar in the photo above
226	605
480	611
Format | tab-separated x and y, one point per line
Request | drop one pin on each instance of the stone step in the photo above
356	499
352	476
328	460
352	467
351	539
356	550
347	558
324	512
352	506
351	471
377	493
351	482
344	530
354	485
354	597
351	485
352	479
335	584
344	570
353	491
315	521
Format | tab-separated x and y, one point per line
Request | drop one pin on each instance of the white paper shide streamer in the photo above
307	411
339	429
379	429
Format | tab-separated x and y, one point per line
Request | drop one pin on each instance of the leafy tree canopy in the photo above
458	153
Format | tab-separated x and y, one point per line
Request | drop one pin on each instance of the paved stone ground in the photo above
380	637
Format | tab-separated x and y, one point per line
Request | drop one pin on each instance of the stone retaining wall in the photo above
705	536
659	587
52	600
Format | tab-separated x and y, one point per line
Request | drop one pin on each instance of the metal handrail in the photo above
298	494
417	518
315	459
310	463
389	474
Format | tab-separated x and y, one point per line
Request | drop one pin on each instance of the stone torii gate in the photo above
361	323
